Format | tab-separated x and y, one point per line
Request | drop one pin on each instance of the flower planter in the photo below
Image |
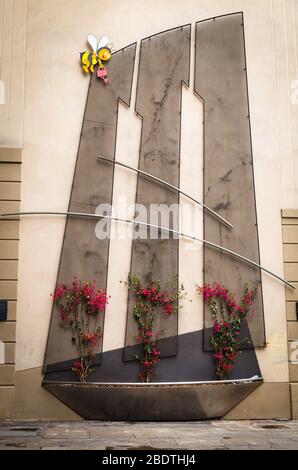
154	401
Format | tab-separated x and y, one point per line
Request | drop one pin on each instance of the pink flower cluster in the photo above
248	298
79	366
59	291
96	298
161	299
216	327
145	335
80	293
91	338
219	292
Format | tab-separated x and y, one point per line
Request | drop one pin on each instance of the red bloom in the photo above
219	355
78	365
217	327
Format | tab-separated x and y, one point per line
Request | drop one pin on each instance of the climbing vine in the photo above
150	301
228	317
80	306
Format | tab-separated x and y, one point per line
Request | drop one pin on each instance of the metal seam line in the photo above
176	232
208	209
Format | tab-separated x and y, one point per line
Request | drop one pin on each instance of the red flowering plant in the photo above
79	306
228	317
150	301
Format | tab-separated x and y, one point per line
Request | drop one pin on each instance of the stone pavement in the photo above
194	435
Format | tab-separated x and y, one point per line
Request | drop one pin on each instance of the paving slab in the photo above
194	435
66	433
19	431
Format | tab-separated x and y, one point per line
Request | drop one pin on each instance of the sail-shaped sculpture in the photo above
186	373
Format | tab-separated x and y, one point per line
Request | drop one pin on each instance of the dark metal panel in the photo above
220	79
173	402
83	254
164	64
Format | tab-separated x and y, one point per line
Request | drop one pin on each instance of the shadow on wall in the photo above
191	364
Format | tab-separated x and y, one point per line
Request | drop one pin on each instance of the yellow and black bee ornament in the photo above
100	55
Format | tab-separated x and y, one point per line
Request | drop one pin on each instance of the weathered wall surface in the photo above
12	70
48	129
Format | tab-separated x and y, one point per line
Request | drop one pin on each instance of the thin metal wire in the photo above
207	209
176	232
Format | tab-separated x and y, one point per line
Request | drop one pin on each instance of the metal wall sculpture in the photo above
164	65
83	254
220	79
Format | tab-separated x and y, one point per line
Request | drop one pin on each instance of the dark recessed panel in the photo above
164	64
3	310
83	254
220	79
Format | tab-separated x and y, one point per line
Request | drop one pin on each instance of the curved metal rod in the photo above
207	209
176	232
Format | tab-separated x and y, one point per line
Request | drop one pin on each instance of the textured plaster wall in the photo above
55	94
12	70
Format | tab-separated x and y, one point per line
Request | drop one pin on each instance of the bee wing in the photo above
103	42
92	41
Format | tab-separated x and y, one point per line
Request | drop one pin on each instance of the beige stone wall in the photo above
10	193
290	246
269	401
41	404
